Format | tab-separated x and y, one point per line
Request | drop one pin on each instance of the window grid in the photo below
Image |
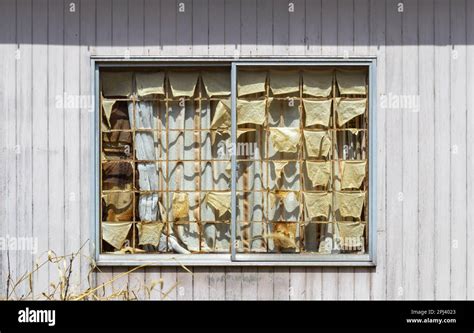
198	131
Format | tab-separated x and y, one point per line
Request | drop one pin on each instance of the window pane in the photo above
165	161
303	189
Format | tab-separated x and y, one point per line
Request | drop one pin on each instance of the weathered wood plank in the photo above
458	150
314	283
216	27
410	150
232	28
297	28
136	27
120	25
200	27
298	283
378	47
168	30
281	283
442	144
8	152
265	283
249	283
24	136
185	283
394	194
281	38
217	283
184	26
169	288
426	169
470	150
72	157
152	26
313	27
201	283
153	283
233	283
103	27
56	174
40	141
264	27
248	9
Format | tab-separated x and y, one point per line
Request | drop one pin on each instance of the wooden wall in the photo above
425	159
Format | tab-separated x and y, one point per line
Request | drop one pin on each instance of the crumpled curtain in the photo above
285	197
150	83
351	82
117	84
148	205
317	83
251	82
215	177
216	83
348	109
183	84
284	82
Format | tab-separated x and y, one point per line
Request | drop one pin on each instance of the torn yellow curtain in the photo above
279	196
251	82
318	172
115	233
318	143
279	166
317	204
149	233
284	82
220	201
273	198
317	83
348	109
180	205
117	84
222	115
351	234
118	206
350	204
107	105
353	174
250	112
285	139
317	112
284	235
183	83
150	83
216	83
351	82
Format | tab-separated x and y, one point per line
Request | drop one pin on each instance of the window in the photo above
235	162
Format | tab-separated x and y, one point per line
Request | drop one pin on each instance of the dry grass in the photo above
63	289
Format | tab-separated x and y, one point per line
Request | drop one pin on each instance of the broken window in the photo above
300	159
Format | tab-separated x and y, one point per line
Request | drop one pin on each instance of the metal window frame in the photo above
233	258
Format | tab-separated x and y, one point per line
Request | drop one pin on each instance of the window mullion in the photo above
233	211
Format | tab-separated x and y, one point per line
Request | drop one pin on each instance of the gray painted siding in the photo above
425	247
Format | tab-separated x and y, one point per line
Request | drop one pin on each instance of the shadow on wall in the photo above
158	25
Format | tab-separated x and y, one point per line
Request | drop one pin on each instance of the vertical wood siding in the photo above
425	159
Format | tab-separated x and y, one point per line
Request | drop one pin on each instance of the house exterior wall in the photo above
425	126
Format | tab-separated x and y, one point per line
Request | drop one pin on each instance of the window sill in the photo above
260	260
